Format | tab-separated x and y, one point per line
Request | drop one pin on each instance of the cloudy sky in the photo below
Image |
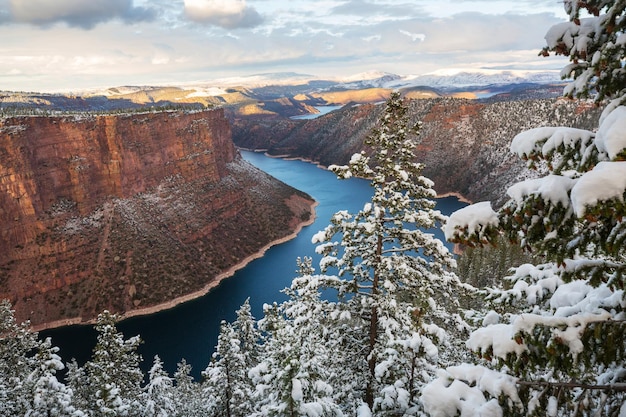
64	45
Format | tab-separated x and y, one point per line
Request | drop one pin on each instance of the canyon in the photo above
463	144
127	212
132	211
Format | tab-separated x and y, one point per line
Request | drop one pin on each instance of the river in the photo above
322	111
190	330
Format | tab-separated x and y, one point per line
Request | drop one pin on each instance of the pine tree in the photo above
28	383
221	376
294	377
227	386
110	383
249	336
562	350
394	274
16	344
159	392
46	394
188	398
595	45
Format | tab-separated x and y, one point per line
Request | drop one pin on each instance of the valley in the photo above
107	190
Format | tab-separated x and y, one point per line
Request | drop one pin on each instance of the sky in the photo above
69	45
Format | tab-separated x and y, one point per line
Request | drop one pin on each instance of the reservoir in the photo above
322	111
190	330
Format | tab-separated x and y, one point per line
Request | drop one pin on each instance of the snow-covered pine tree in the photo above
110	383
594	42
563	351
250	339
394	275
159	392
46	395
227	388
293	377
28	366
222	376
188	400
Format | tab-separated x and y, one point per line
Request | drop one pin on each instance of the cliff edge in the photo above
128	212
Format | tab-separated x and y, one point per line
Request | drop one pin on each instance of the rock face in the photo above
464	144
130	211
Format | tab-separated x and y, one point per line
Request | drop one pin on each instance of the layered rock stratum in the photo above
128	212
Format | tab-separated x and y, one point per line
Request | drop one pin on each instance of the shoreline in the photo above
225	274
458	195
191	296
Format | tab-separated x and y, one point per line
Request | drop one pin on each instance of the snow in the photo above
573	36
296	390
577	297
552	188
206	92
543	282
606	181
553	406
569	294
363	411
475	217
498	337
460	390
312	409
547	139
611	136
491	317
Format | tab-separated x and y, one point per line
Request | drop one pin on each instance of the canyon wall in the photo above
464	144
127	212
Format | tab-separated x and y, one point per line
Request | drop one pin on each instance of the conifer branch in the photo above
618	387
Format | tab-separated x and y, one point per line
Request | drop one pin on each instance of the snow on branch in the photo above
545	140
570	38
607	181
552	188
460	390
472	220
570	385
611	136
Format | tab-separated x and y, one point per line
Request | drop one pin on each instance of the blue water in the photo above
190	330
322	111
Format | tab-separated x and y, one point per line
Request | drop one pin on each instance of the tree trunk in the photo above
369	393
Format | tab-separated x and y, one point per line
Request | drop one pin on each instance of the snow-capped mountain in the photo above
446	79
468	78
372	79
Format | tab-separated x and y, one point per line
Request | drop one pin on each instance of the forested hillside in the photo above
464	144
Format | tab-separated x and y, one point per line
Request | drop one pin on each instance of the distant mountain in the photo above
445	80
290	94
369	80
473	78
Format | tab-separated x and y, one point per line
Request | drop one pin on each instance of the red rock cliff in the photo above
124	212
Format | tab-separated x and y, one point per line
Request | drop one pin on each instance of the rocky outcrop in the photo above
127	212
464	144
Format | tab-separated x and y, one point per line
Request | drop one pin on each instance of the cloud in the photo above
323	37
369	9
228	14
84	14
413	36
